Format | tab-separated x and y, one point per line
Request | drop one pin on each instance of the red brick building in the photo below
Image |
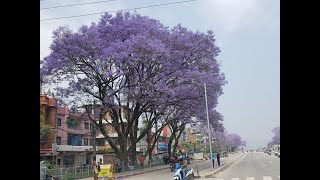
48	106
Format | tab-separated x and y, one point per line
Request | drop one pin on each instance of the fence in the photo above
135	166
78	172
71	173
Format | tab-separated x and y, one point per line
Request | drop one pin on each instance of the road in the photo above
167	175
253	166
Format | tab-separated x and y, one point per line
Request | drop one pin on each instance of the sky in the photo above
247	32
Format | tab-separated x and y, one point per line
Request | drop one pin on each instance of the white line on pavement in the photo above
250	178
234	178
233	164
267	178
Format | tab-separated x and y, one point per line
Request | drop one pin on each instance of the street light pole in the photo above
94	133
205	92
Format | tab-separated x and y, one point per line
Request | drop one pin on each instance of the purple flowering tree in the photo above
276	136
133	63
229	142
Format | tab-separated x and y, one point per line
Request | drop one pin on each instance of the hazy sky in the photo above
248	33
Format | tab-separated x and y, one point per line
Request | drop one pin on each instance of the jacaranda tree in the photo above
135	64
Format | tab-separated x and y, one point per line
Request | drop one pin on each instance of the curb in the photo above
222	168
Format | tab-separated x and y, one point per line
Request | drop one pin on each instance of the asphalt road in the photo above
253	166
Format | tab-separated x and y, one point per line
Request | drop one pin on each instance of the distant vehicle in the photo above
43	170
198	156
224	154
44	175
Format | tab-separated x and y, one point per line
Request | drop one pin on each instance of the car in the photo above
43	170
269	152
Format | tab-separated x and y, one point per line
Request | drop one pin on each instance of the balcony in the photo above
75	128
70	148
45	100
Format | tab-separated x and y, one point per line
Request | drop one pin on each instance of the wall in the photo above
63	130
47	105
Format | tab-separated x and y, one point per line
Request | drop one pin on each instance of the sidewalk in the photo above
232	158
137	172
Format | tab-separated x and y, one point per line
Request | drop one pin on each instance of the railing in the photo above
72	172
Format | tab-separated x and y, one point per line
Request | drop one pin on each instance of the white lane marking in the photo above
270	161
267	178
234	178
250	178
235	162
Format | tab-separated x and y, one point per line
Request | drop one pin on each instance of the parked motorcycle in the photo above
178	174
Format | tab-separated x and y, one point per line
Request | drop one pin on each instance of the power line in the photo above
144	7
79	4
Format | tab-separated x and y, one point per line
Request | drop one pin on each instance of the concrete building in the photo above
189	136
74	139
48	106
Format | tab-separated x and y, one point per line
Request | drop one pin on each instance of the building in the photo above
48	106
189	136
74	139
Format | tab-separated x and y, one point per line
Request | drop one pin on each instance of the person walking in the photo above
141	161
212	158
95	170
218	159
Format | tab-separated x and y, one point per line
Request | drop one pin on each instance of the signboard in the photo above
163	147
106	171
73	148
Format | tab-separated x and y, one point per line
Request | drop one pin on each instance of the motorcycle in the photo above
178	174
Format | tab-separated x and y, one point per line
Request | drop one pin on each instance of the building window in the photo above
58	140
86	125
100	141
59	122
91	126
74	139
68	160
85	141
91	142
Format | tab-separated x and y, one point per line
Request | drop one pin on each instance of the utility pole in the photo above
94	132
209	131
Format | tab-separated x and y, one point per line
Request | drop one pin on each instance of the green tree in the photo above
44	128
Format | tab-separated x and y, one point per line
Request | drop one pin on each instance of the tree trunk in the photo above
176	139
133	137
169	145
150	155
